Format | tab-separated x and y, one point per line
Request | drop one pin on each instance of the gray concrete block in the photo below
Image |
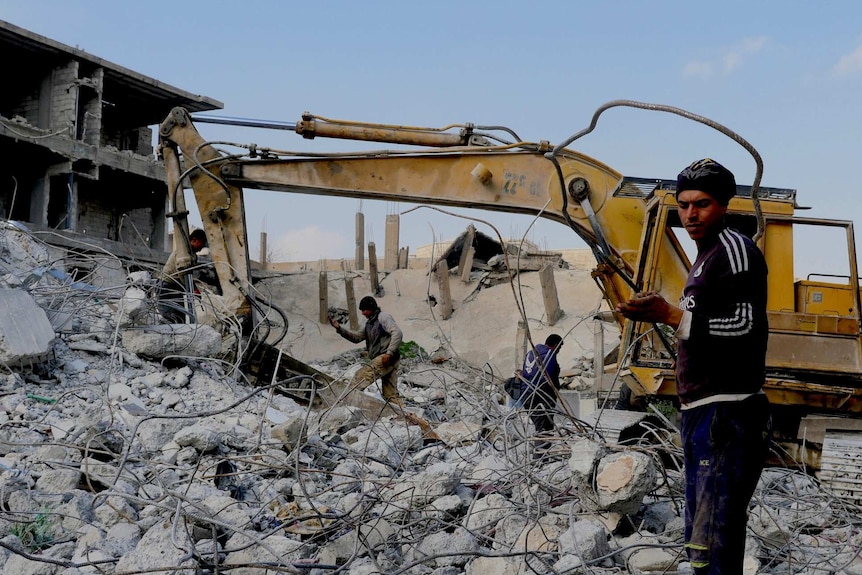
25	332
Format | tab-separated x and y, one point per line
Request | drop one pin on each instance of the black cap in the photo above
367	303
710	177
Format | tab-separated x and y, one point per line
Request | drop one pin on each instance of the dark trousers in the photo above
541	403
725	446
543	418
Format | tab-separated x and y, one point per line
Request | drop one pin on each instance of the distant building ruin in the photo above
76	146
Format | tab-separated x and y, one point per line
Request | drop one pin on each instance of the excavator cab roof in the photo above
646	187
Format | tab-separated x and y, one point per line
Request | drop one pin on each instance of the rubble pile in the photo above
112	461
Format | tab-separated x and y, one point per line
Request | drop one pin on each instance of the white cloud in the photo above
701	70
734	55
732	58
309	244
849	64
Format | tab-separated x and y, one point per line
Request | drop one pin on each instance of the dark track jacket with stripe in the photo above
726	294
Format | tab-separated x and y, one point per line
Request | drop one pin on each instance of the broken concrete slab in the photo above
25	332
160	341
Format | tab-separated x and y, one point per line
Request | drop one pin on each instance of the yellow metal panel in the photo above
814	352
654	381
824	298
778	251
828	397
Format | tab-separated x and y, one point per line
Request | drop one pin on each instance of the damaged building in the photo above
76	138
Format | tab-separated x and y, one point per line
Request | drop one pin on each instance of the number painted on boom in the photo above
513	182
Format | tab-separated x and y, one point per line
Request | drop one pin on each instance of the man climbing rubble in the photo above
541	380
382	337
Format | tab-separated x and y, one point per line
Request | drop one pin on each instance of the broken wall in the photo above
76	138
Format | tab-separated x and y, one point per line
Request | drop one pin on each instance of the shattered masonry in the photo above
113	462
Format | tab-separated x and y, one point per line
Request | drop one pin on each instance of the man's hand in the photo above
385	358
333	323
650	307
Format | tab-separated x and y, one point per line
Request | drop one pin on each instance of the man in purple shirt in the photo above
721	332
540	377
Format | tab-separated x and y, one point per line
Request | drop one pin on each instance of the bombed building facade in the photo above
76	142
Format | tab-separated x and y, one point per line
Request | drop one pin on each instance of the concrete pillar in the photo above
521	344
598	354
64	97
360	241
263	261
158	217
39	201
351	302
372	268
403	258
72	207
323	296
90	109
445	302
390	257
549	294
467	253
42	115
466	264
60	209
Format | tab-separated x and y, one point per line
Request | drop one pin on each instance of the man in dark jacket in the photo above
541	380
721	331
382	337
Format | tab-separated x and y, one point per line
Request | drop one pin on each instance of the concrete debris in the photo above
585	539
160	341
111	462
649	553
161	545
25	332
135	307
623	480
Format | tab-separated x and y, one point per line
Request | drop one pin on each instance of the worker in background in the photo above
721	332
382	338
540	376
171	288
198	244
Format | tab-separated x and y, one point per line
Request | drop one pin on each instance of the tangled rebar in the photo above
115	464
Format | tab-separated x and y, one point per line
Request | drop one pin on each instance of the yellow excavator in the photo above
814	358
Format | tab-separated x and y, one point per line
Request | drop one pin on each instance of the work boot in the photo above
394	399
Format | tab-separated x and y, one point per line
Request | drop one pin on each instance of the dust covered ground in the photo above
483	328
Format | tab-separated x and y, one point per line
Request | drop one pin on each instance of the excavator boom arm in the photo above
506	178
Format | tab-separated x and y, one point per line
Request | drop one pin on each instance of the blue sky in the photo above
785	75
